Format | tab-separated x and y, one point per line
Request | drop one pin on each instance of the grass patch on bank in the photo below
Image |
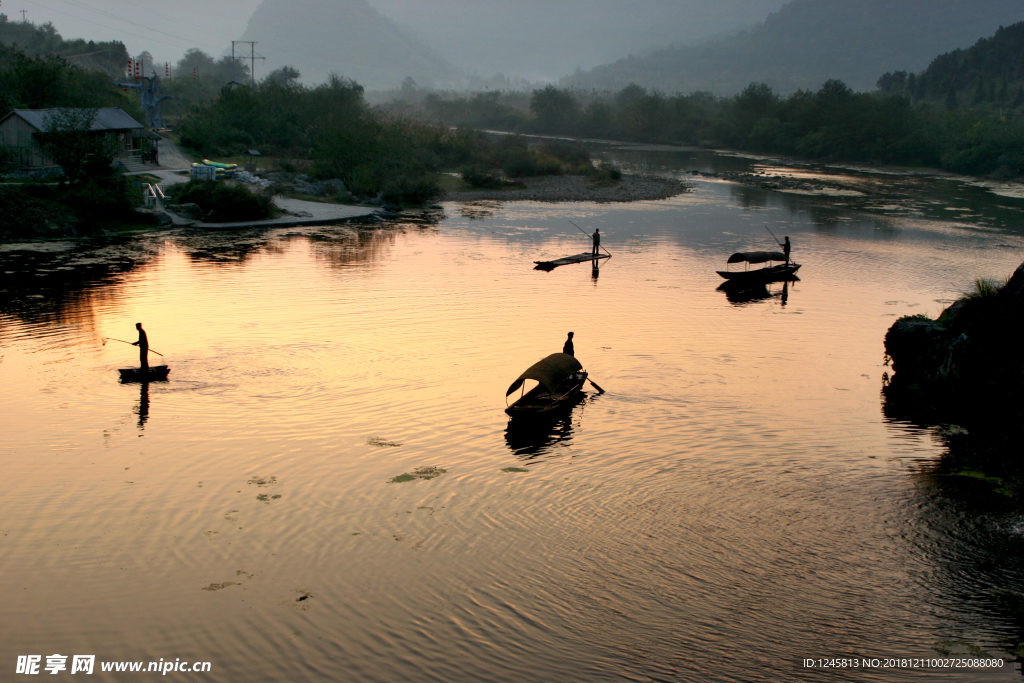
915	317
984	289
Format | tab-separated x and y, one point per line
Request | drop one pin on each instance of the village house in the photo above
22	127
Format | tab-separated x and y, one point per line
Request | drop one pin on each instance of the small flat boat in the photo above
567	260
760	275
155	373
559	378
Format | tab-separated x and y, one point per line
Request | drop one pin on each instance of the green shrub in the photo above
571	153
224	203
476	177
27	210
408	191
606	173
547	164
519	164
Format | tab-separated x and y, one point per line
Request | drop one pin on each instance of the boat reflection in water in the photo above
143	411
529	439
739	293
542	416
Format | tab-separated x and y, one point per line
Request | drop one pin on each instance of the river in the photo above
736	502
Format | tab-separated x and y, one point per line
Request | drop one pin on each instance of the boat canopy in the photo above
756	256
550	372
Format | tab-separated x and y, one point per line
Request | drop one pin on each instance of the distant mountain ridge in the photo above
344	37
541	40
808	42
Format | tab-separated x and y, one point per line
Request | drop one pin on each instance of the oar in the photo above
599	389
130	344
592	237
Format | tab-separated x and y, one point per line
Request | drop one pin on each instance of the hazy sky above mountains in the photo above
532	38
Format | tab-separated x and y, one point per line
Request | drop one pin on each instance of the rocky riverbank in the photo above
573	188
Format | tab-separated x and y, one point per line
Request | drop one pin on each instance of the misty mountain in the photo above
344	37
545	39
810	41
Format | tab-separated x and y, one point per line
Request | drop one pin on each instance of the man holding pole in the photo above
597	242
143	345
786	248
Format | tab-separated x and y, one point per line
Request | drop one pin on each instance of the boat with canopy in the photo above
768	273
559	377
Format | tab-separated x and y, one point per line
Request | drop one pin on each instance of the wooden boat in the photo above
156	373
760	275
559	378
566	260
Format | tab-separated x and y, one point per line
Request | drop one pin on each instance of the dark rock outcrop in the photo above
917	347
971	358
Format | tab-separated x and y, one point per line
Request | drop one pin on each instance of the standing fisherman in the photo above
597	242
143	345
786	248
568	347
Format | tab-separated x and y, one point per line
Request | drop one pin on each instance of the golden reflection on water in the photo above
735	497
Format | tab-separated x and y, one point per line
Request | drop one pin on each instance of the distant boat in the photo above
156	373
566	260
559	378
760	275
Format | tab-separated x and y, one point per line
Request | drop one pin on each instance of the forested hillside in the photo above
810	41
109	57
990	73
41	82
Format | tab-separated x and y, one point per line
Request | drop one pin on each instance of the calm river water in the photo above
737	501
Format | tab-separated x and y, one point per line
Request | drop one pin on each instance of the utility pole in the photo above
23	16
252	56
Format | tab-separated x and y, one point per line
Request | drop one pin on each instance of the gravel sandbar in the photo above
572	188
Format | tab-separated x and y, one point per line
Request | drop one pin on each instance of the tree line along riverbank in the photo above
964	114
833	124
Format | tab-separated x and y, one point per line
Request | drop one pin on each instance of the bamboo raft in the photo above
567	260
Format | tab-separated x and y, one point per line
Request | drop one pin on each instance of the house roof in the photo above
107	118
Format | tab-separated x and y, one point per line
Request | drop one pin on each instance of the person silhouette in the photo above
143	345
597	242
568	347
786	247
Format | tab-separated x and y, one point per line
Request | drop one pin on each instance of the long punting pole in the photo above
773	236
131	344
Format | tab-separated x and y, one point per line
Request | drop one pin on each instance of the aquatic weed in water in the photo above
418	473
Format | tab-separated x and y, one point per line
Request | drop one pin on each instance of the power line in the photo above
252	56
206	13
127	21
188	42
